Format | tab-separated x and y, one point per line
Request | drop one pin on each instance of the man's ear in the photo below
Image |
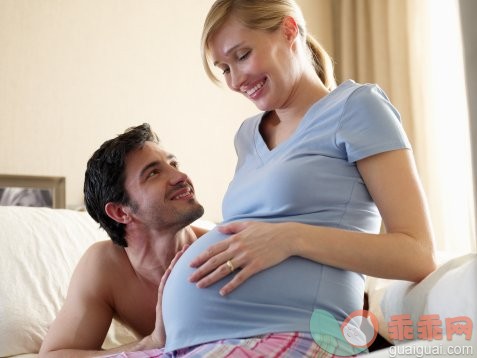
118	212
290	29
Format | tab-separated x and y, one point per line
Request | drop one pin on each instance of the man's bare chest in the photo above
135	307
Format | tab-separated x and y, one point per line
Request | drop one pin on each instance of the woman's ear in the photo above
117	212
289	29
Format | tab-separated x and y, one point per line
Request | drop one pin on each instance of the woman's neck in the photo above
307	92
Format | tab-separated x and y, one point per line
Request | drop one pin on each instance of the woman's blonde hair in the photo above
266	15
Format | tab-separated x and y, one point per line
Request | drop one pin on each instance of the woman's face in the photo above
259	64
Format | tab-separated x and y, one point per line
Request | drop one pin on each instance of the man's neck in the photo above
151	253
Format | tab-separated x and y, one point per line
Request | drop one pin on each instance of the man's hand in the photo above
158	336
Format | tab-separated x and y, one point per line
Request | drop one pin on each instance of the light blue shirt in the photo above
310	178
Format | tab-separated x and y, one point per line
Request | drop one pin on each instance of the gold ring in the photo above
230	265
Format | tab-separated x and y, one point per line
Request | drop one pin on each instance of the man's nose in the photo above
178	177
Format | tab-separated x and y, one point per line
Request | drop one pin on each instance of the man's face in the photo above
161	196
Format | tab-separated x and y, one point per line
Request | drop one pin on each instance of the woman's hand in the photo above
252	247
158	336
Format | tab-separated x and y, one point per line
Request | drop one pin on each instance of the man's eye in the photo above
175	164
226	70
153	173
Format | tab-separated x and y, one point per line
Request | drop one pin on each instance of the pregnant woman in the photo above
318	169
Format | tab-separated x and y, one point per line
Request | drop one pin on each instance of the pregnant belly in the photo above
282	296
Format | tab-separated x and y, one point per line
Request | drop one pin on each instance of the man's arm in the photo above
83	322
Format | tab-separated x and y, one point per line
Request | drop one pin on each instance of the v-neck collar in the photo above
261	146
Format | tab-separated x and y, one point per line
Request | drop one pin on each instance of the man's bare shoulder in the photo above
105	253
105	278
102	263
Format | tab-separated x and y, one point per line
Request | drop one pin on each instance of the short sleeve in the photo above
369	125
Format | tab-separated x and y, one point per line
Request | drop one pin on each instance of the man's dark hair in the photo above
105	175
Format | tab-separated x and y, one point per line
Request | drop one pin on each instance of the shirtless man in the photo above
136	192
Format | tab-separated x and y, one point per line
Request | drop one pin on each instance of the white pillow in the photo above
39	248
448	292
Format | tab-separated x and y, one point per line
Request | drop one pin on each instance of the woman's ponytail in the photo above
322	62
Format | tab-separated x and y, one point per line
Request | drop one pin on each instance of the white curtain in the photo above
412	49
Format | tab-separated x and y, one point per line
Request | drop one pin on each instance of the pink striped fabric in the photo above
286	345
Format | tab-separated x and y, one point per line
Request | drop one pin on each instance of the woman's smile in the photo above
255	91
